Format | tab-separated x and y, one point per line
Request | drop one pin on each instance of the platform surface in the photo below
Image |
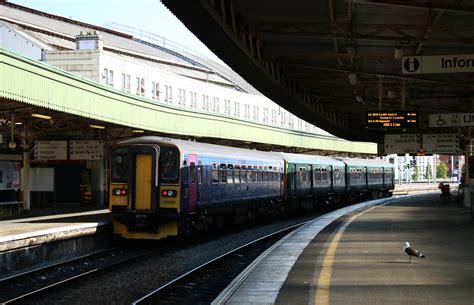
359	260
69	223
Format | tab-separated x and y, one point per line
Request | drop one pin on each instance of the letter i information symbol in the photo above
411	65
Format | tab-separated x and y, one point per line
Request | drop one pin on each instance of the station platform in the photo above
48	235
354	256
46	224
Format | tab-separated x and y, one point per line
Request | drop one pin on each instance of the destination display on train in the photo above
389	119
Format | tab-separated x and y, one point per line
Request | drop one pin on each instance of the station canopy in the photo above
333	62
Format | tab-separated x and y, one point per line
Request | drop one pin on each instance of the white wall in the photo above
11	40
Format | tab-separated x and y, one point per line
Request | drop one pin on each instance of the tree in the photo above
442	170
429	172
416	173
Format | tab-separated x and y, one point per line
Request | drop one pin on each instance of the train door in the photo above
293	180
365	174
331	178
143	181
192	182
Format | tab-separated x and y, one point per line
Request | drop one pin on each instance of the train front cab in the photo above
144	191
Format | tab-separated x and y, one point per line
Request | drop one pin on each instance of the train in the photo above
162	187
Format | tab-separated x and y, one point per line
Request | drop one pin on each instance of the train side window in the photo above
215	173
192	173
222	173
243	174
237	174
185	172
260	174
249	174
230	173
254	174
199	173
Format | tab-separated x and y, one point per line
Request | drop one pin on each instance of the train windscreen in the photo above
169	164
120	165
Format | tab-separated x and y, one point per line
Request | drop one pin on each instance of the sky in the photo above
148	15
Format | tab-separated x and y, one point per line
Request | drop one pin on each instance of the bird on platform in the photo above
411	252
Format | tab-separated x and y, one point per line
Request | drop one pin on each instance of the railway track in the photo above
44	281
204	283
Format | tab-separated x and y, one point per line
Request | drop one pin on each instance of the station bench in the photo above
8	208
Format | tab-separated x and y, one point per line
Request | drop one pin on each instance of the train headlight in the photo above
120	192
168	193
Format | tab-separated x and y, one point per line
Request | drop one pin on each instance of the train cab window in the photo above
215	173
120	165
192	173
237	174
169	164
222	173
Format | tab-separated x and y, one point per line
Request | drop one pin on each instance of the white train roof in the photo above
366	162
297	158
205	149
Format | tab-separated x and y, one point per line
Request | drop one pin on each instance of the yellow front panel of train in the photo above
143	182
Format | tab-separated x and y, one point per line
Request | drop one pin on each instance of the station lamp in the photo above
138	131
96	126
41	116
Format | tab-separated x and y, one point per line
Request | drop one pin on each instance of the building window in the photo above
108	77
247	112
140	86
274	117
205	102
283	119
155	91
265	115
125	82
227	107
182	97
255	113
193	100
300	124
291	121
236	109
215	105
168	94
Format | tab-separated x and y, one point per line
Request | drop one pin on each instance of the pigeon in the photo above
411	252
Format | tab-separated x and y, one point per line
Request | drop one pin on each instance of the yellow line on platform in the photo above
321	296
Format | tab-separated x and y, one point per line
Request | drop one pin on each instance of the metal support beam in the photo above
380	93
403	95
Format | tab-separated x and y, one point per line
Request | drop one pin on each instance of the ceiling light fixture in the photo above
353	79
398	53
41	116
96	126
138	131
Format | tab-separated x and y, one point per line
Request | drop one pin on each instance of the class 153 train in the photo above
161	187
